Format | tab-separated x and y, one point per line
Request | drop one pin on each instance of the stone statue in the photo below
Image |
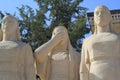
100	58
56	59
16	58
1	35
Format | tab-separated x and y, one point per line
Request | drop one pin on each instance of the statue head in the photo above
102	16
61	29
10	26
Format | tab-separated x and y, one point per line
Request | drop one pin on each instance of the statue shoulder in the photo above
24	45
87	39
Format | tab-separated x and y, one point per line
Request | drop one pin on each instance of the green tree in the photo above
1	16
32	26
34	23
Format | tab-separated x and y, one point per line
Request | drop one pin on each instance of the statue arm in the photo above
84	65
40	69
42	52
29	64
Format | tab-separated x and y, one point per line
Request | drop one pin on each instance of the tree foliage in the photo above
36	25
32	26
1	16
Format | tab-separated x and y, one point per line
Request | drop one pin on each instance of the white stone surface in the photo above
101	52
56	59
16	58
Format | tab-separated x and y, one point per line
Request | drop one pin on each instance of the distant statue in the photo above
16	58
56	59
100	58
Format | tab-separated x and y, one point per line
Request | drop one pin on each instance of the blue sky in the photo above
10	5
91	4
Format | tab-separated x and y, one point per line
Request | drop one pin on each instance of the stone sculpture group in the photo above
57	59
